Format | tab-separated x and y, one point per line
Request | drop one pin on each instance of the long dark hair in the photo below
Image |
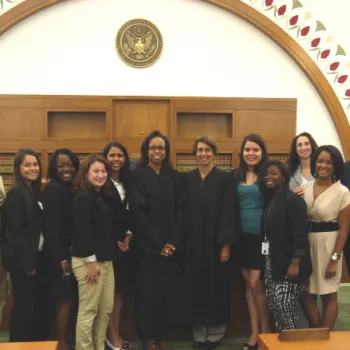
52	170
293	161
264	155
337	159
124	173
144	159
31	193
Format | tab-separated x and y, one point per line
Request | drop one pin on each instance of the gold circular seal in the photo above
139	43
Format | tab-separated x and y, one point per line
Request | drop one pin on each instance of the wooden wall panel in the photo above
272	125
139	118
21	124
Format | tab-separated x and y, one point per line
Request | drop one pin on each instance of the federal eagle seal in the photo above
139	43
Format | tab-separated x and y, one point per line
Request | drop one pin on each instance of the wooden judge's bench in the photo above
85	124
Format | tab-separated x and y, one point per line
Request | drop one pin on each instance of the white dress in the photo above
325	208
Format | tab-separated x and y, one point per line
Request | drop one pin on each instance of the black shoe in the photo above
198	345
209	345
250	347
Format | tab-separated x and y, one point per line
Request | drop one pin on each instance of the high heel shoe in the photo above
109	344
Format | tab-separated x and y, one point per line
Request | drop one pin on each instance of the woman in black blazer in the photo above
23	256
92	254
117	194
286	247
57	198
346	182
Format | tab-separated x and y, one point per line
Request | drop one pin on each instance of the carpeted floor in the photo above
343	323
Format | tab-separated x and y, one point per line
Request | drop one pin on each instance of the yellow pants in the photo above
95	305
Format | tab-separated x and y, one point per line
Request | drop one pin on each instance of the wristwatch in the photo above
335	257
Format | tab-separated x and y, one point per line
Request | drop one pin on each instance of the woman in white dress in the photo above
301	150
328	203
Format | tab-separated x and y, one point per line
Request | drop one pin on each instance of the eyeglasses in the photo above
155	148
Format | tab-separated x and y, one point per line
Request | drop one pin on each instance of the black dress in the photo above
159	201
209	225
123	219
57	199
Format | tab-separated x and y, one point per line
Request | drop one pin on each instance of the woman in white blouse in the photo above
117	194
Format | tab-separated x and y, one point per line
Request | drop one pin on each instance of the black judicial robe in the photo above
209	225
159	199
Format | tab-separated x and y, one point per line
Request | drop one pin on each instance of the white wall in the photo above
70	49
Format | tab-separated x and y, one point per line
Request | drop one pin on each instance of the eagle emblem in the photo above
139	43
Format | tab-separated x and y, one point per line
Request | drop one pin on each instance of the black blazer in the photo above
122	218
287	230
57	201
24	228
92	227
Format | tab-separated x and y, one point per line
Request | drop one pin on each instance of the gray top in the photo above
296	179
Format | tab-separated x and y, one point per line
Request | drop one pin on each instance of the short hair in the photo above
282	168
293	158
82	183
264	155
337	159
207	140
52	170
144	158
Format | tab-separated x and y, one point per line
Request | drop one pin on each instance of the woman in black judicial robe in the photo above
57	198
209	233
159	238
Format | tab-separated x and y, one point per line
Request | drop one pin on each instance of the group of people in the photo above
98	229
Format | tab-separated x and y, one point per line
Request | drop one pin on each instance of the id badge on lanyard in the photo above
265	246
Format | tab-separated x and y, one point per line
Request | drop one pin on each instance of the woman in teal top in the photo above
251	208
248	217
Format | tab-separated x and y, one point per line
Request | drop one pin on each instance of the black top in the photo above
208	213
122	218
57	199
286	227
159	203
23	227
92	227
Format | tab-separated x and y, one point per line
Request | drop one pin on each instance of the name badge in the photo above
265	248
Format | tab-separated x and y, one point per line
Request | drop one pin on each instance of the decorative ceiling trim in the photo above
287	23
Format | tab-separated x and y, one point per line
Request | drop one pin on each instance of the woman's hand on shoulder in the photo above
299	191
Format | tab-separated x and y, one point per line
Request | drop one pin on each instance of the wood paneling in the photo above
66	125
21	124
191	125
272	125
139	118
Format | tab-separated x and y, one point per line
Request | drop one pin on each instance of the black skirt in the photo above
249	252
124	266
